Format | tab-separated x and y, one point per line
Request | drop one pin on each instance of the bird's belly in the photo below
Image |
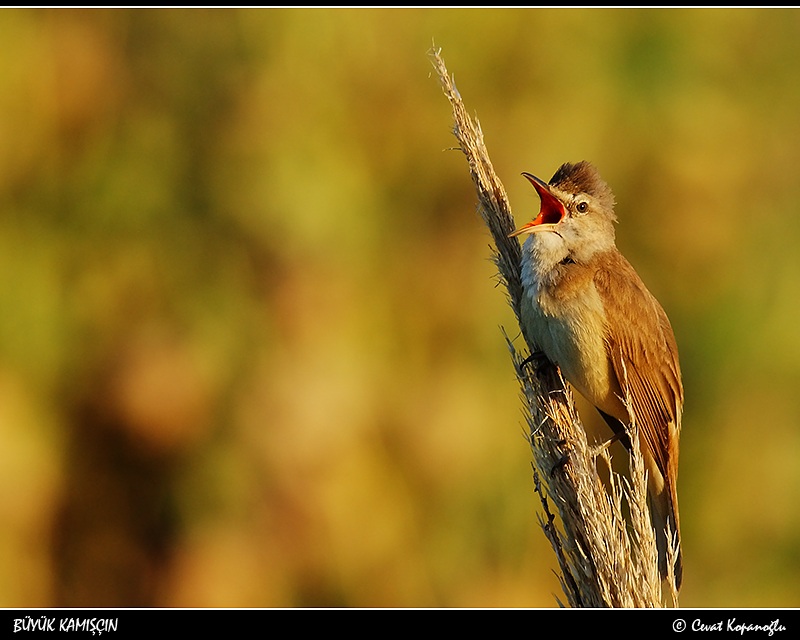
571	335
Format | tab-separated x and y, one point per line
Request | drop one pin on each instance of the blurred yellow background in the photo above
250	344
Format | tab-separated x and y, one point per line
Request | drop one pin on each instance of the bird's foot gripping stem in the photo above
562	461
537	358
596	450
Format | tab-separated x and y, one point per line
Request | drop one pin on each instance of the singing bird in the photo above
590	314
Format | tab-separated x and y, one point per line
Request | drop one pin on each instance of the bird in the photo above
588	312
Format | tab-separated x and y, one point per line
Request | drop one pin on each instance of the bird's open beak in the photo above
551	212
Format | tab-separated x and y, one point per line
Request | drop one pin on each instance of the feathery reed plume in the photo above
605	558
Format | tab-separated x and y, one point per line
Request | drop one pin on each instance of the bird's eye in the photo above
582	206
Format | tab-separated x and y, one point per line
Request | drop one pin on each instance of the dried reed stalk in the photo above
605	558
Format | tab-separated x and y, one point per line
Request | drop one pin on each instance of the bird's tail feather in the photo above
665	521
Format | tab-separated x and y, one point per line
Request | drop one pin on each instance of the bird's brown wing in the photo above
645	359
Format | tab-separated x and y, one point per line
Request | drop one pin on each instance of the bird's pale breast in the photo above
567	324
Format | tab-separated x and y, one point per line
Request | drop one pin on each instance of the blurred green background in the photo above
250	345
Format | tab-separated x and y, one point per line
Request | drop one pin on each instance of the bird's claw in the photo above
559	464
537	357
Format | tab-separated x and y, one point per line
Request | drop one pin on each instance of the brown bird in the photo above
590	314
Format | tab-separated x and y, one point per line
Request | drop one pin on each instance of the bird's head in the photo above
576	214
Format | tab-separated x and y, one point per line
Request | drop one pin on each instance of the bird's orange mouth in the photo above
551	212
